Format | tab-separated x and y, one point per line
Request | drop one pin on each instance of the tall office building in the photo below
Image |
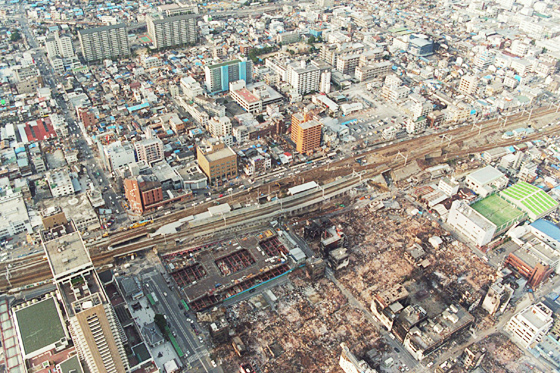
307	136
104	42
59	46
172	31
219	76
93	325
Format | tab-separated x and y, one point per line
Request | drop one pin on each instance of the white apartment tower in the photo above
59	46
104	42
530	325
468	84
172	31
149	150
304	78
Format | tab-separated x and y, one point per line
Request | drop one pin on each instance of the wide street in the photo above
195	349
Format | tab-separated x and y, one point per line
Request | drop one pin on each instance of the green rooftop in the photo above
530	199
71	365
224	64
39	325
497	210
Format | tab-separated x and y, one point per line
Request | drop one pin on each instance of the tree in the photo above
161	323
16	36
311	40
260	118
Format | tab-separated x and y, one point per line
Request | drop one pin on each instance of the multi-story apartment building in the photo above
220	126
149	150
14	218
468	84
172	31
217	162
104	42
303	77
219	76
530	325
191	88
94	327
117	155
59	46
307	136
373	70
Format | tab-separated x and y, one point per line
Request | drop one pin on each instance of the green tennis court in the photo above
145	39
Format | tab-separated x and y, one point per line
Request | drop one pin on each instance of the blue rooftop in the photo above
548	228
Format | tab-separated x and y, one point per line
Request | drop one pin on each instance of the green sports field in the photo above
497	210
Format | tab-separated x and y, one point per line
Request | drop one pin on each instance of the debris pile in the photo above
302	331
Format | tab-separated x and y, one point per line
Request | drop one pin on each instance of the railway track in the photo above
416	148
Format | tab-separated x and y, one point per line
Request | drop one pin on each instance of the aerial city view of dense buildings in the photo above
279	186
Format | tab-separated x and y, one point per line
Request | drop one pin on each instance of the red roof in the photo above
39	130
249	97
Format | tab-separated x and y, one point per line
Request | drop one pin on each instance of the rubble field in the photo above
378	243
302	331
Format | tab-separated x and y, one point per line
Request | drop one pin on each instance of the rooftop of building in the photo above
309	124
485	175
66	252
394	294
220	154
548	228
436	330
537	315
39	324
247	95
530	198
173	18
226	63
102	28
71	365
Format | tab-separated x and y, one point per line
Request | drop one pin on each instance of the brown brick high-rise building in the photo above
307	136
142	193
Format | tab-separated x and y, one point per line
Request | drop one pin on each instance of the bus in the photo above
185	304
152	298
175	345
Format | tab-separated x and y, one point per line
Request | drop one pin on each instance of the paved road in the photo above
95	172
197	351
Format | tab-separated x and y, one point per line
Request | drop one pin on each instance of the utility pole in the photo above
403	156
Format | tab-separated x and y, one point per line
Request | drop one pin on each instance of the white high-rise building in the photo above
191	88
325	83
303	77
220	126
59	46
104	42
172	31
149	150
519	48
468	84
